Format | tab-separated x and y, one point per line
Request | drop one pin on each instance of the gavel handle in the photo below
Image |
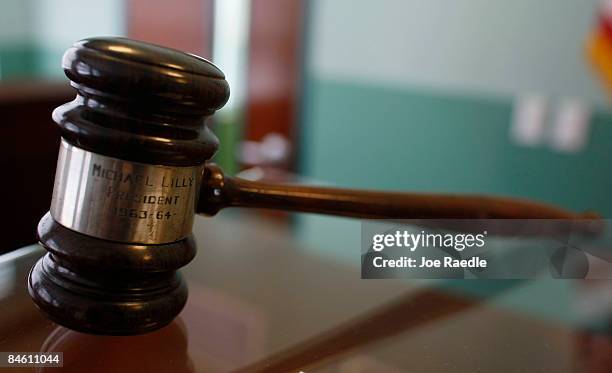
219	191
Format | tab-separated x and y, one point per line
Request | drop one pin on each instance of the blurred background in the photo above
469	96
463	96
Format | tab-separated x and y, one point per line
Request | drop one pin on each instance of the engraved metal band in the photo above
123	201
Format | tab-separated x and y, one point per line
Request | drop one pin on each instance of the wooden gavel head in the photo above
134	143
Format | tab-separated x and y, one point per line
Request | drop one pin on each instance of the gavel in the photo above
133	170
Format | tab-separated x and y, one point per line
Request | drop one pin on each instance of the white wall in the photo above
15	21
59	23
484	46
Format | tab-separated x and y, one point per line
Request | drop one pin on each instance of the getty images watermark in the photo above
486	248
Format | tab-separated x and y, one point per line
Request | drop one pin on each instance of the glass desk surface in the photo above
262	300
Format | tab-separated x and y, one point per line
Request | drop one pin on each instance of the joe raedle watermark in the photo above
486	248
411	241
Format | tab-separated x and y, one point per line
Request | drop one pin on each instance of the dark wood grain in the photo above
142	103
221	191
191	22
400	316
103	287
29	154
274	69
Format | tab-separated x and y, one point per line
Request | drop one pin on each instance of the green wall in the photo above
18	61
372	136
380	137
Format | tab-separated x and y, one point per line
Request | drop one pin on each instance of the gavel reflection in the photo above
133	170
165	350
